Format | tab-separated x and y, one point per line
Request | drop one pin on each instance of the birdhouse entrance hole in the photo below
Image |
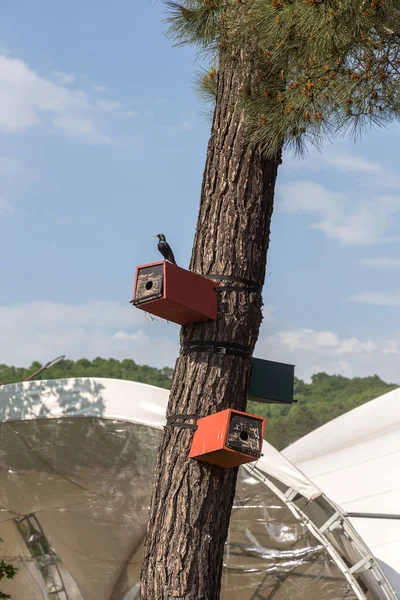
244	434
150	283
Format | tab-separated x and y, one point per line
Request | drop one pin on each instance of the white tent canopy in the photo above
355	460
76	467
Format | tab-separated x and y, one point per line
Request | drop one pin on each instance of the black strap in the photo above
173	421
242	288
246	283
224	348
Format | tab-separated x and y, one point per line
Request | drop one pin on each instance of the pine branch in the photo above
194	22
320	68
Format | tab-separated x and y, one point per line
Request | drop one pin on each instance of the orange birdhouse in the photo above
175	294
228	438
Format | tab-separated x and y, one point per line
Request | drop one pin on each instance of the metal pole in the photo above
359	515
46	366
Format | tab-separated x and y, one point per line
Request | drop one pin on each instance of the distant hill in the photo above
325	398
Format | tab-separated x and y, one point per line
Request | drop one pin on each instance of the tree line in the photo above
323	399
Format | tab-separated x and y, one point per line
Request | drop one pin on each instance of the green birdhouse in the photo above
271	382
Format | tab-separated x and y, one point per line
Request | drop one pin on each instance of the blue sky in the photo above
102	145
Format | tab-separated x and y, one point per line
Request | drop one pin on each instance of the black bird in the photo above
165	248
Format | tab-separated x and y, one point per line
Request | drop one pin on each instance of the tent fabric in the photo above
355	460
114	399
89	397
77	460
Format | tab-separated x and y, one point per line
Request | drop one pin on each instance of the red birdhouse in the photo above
175	294
228	438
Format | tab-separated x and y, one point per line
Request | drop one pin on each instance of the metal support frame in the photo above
291	494
43	555
335	521
362	565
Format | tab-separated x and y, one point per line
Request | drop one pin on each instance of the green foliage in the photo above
195	22
317	67
206	85
7	571
99	367
338	62
324	399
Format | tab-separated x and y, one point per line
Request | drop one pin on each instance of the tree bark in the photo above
192	501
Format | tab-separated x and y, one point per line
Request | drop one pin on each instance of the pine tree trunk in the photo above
192	501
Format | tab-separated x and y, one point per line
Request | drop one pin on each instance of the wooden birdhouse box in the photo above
175	294
228	438
271	382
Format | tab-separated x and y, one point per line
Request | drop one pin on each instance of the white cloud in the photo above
13	176
108	105
64	78
5	208
371	174
324	351
345	218
24	96
29	100
97	87
353	164
179	128
268	313
10	168
136	336
360	211
378	298
380	262
81	128
307	339
341	161
56	314
42	330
